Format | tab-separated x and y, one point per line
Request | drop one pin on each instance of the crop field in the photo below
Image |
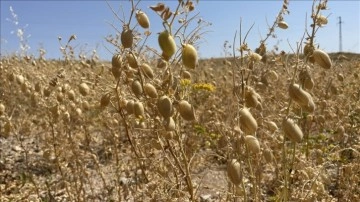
256	125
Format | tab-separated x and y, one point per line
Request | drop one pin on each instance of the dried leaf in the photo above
166	14
158	7
190	5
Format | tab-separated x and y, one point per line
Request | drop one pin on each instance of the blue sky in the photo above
44	21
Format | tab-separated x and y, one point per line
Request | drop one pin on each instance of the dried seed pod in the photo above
273	75
65	88
2	109
55	112
24	87
38	87
356	75
310	107
165	106
268	155
298	94
138	109
34	99
252	144
247	121
271	126
309	83
116	61
105	100
189	56
292	130
322	59
254	57
84	89
169	124
7	128
148	71
161	64
142	19
127	38
167	44
186	75
186	110
71	95
60	97
66	117
130	107
150	90
333	89
340	77
85	105
340	130
20	79
11	77
116	72
136	88
234	172
303	98
252	98
308	49
261	50
47	92
132	60
283	25
78	112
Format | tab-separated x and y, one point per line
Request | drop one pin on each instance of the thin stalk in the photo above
292	160
187	170
285	189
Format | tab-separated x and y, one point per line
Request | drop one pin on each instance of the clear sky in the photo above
44	21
